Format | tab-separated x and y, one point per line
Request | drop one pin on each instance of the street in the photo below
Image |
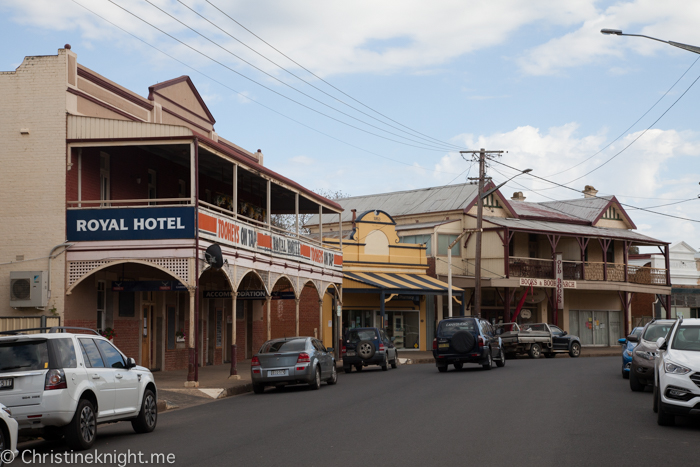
532	412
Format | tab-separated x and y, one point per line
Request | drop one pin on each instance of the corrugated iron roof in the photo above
523	208
585	208
573	229
422	225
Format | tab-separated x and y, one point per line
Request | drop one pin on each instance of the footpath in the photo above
214	381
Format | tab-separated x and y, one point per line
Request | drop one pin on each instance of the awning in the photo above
414	283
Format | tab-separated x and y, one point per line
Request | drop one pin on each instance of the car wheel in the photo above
635	385
575	350
662	417
82	429
489	364
458	365
334	376
535	351
365	349
395	361
258	388
316	383
442	368
502	360
347	369
358	367
385	363
148	416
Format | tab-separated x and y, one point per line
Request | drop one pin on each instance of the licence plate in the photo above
7	383
277	373
444	346
351	353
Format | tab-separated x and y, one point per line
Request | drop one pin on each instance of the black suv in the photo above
368	346
467	340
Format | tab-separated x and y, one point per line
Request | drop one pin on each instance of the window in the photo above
610	255
533	246
421	240
296	345
152	185
101	305
111	355
444	241
104	177
64	353
32	355
182	189
94	359
511	246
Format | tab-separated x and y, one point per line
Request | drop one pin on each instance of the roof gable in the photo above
614	211
683	247
495	200
181	92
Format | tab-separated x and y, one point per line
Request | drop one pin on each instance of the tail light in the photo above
381	347
304	358
435	344
481	341
344	350
55	379
255	361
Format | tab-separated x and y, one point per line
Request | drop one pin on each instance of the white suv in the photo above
677	372
66	383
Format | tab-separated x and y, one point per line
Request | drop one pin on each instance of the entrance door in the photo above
158	364
145	335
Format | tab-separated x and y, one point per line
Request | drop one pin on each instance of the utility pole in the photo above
449	269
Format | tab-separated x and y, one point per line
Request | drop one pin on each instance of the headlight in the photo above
675	369
646	355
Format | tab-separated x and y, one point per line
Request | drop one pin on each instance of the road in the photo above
571	412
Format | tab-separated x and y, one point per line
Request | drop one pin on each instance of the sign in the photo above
551	283
526	314
148	286
248	295
559	278
339	310
227	231
152	223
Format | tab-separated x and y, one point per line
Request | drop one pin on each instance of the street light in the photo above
617	32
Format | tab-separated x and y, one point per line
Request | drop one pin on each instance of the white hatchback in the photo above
65	384
8	436
677	372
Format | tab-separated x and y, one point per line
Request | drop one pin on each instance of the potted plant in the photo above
109	333
180	335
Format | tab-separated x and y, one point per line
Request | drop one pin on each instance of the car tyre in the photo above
395	361
489	364
334	376
148	415
385	363
662	417
82	430
316	383
535	351
442	368
575	350
347	369
625	374
258	388
635	385
365	349
501	362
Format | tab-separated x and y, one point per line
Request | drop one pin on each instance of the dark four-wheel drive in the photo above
368	346
467	340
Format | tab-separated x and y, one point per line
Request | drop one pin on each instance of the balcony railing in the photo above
577	270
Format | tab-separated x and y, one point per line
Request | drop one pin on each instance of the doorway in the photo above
595	328
147	315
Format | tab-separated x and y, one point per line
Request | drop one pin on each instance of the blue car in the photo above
627	348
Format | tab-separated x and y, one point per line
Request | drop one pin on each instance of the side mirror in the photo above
330	349
661	343
633	338
564	333
622	341
130	363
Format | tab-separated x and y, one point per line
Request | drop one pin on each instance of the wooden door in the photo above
145	332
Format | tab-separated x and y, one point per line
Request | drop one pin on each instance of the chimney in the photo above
589	192
260	157
518	196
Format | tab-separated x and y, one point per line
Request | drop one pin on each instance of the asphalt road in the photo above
577	412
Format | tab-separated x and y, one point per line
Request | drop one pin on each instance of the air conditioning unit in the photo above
28	289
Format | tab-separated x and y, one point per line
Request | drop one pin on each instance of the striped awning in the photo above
399	282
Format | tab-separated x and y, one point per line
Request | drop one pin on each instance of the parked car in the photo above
8	436
644	355
65	384
627	349
368	346
535	339
292	360
677	381
467	340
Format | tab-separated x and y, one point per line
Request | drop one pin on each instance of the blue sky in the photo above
531	77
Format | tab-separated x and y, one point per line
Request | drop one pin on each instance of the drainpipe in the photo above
48	276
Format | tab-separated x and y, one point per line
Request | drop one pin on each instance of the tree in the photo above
634	250
288	221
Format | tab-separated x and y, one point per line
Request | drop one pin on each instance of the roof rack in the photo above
51	330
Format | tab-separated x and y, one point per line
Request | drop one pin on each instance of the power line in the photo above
323	80
253	100
278	80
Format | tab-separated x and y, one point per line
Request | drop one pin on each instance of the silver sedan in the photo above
292	360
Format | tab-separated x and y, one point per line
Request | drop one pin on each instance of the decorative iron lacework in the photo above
79	269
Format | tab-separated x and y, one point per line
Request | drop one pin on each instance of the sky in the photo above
370	97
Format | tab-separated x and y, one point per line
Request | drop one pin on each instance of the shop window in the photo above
421	240
101	305
444	241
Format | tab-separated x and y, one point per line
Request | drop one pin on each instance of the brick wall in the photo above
128	337
309	318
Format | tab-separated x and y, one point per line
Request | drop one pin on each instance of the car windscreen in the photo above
357	335
637	332
24	356
656	330
687	338
447	329
296	345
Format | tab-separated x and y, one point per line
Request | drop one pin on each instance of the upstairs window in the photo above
444	241
419	239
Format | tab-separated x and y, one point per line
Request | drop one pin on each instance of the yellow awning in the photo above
398	282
